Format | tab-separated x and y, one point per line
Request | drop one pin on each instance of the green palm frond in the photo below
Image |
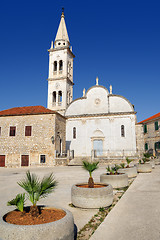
48	185
128	160
37	189
90	167
110	170
122	165
18	201
116	167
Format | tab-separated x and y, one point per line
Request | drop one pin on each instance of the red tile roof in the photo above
31	110
151	118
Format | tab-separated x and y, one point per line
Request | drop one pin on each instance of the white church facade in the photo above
98	124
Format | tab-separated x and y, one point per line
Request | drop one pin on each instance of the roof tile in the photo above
151	118
31	110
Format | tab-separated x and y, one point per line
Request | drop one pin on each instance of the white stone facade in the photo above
98	119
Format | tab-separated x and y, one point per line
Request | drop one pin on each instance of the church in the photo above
100	125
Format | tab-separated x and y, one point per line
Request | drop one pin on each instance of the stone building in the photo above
31	136
151	131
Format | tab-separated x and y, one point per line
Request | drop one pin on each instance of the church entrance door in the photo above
98	147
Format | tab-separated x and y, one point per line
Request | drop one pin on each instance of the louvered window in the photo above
156	126
28	130
145	128
12	131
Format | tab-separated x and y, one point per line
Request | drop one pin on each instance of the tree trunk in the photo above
34	211
90	182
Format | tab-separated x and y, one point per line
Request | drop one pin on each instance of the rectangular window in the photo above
24	160
74	133
156	126
145	128
12	131
42	158
122	131
28	130
0	131
146	146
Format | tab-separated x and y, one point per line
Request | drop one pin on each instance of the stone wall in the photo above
140	139
39	143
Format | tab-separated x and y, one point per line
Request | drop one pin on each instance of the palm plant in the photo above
90	167
110	170
128	161
115	168
18	201
37	189
122	165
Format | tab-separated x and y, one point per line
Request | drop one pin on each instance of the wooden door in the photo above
25	160
2	160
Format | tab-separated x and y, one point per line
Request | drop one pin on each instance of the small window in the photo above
42	158
59	96
157	146
12	131
122	131
156	126
60	65
55	66
54	97
74	132
145	128
146	146
59	43
28	130
0	131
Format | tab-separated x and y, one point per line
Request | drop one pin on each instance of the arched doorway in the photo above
97	143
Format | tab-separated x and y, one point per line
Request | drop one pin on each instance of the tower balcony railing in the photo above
59	103
54	73
60	72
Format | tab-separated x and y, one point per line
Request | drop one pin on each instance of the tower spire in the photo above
62	39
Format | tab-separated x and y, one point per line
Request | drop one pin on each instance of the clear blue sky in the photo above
118	41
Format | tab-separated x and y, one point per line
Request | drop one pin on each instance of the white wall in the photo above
111	131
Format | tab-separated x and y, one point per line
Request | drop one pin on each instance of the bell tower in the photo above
60	77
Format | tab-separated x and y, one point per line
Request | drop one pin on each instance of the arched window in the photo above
60	65
122	131
59	96
54	97
55	66
74	132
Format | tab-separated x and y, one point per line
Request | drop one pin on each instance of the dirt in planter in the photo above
25	218
95	186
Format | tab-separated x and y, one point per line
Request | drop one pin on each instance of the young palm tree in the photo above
37	189
90	167
18	201
128	161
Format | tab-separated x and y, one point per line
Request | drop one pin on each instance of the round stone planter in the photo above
62	229
152	162
117	181
91	197
144	168
131	171
157	161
